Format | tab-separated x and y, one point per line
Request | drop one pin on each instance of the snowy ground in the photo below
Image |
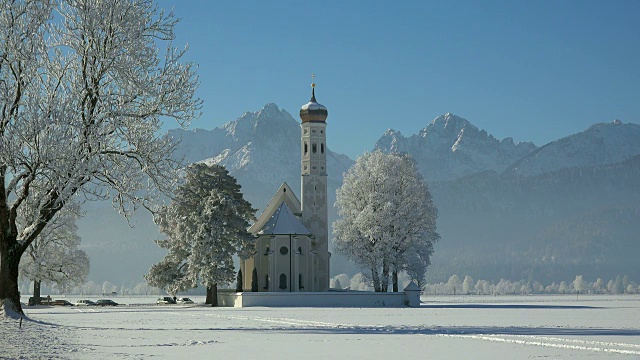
462	327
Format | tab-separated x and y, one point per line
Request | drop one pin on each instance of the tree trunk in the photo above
208	299
214	295
384	280
376	280
36	290
395	280
9	261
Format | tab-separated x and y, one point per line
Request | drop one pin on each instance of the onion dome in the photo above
312	111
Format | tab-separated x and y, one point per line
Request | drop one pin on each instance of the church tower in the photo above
314	185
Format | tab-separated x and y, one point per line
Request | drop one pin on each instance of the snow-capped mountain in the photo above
600	144
261	149
451	147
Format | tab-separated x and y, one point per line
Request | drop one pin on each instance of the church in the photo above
292	234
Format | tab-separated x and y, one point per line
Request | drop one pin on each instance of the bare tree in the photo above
81	101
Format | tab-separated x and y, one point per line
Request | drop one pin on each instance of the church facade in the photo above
292	235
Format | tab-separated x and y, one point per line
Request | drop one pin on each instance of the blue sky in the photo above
532	70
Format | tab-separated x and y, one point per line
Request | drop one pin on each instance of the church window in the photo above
266	282
314	148
306	148
300	284
299	250
283	281
320	131
266	250
305	131
322	148
284	250
313	131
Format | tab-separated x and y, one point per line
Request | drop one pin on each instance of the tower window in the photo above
266	282
314	148
283	281
306	148
300	284
266	251
320	131
284	250
300	250
322	148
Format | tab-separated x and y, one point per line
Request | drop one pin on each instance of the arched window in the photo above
300	284
322	148
306	148
284	250
266	282
299	250
283	281
266	250
314	148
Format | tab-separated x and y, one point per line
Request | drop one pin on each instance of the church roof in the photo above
285	194
283	222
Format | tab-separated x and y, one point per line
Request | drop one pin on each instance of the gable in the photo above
283	222
284	194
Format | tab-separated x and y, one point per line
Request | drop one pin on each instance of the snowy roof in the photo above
312	105
284	222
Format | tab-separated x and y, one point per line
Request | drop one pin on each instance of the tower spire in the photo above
313	87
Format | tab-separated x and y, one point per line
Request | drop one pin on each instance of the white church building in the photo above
292	235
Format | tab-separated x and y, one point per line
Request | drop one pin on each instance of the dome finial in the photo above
312	111
313	87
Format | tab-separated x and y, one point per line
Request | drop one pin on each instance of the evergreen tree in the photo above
206	224
254	280
239	281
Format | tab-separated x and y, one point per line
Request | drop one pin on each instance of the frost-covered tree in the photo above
340	279
82	94
467	285
453	284
579	284
598	286
205	224
563	288
54	257
387	218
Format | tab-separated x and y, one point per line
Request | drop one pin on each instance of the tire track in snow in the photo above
529	340
285	321
559	344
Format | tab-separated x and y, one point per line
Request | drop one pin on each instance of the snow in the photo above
478	327
283	222
312	105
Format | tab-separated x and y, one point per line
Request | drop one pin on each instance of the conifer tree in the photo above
254	280
239	281
206	224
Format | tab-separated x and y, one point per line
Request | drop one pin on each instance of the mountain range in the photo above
506	210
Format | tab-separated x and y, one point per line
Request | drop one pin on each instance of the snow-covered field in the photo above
460	327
